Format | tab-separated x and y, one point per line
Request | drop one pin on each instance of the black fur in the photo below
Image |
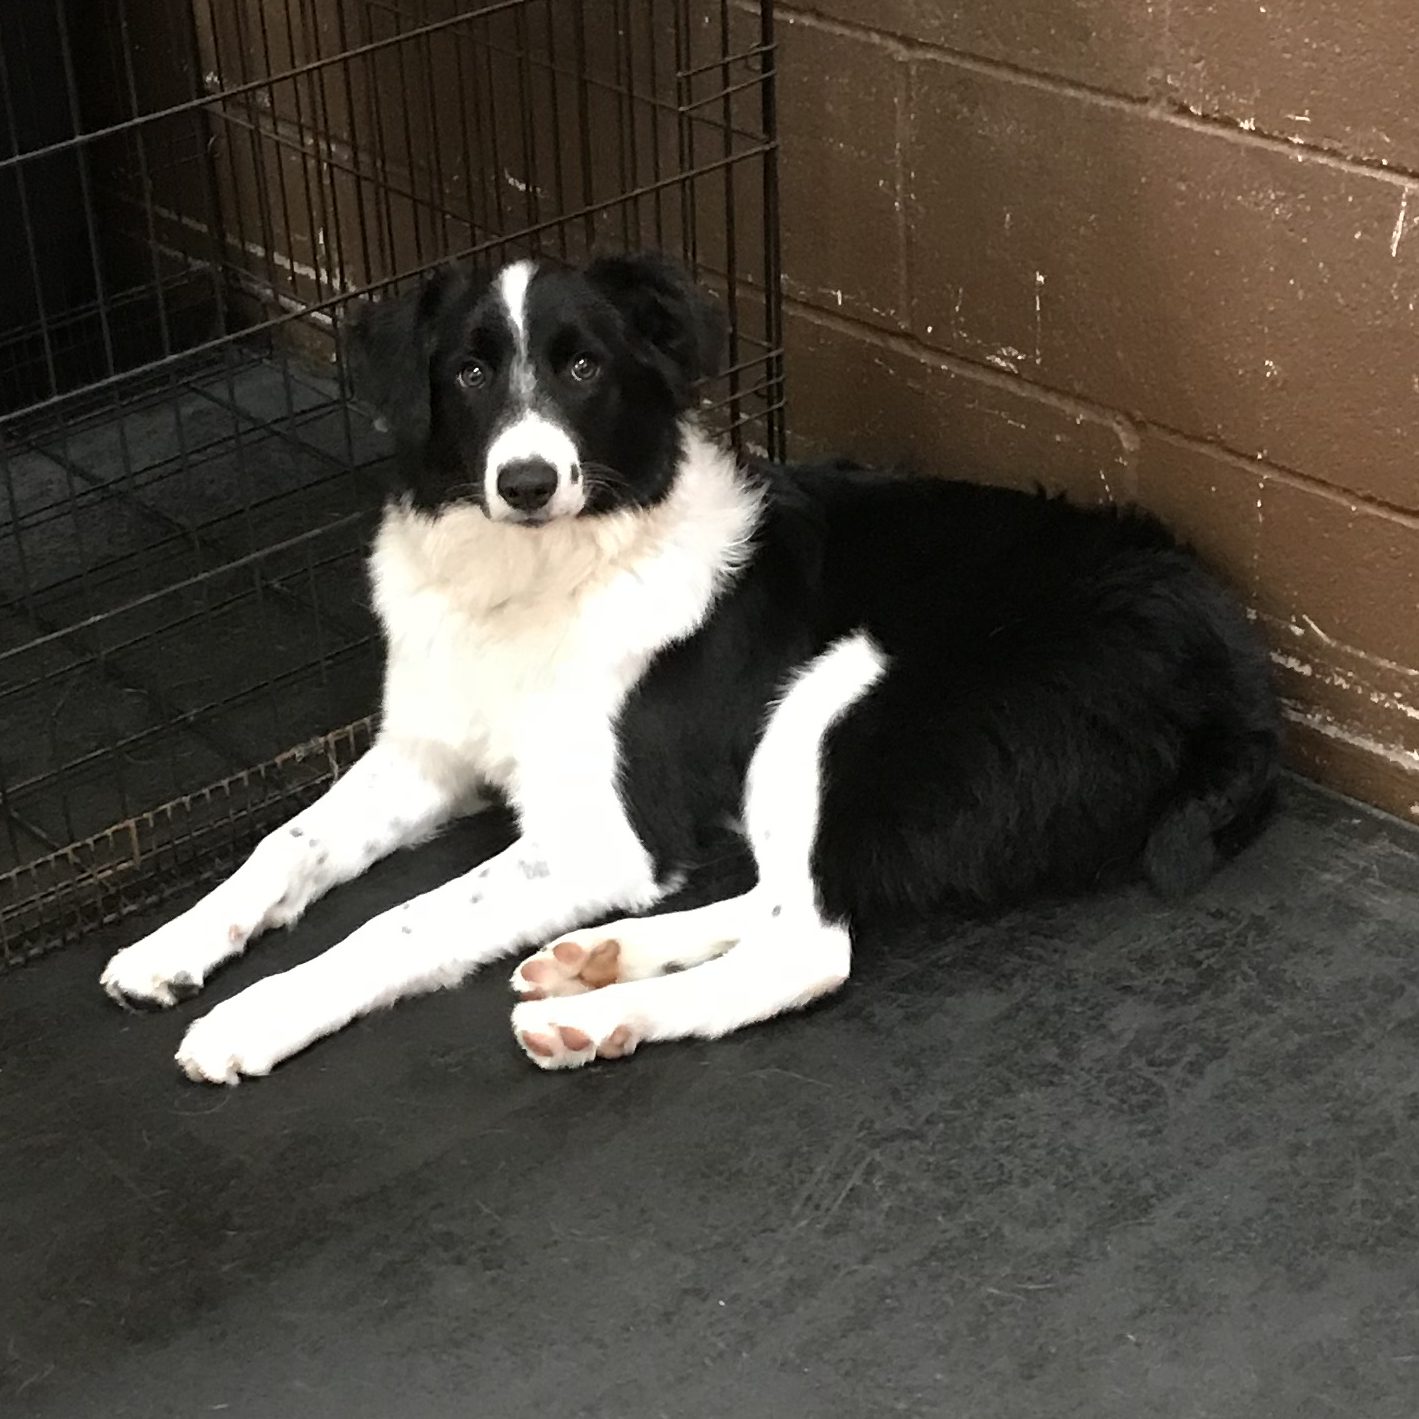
392	344
1070	698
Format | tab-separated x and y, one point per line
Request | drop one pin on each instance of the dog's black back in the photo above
1072	700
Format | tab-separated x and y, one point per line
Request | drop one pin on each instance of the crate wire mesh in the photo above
194	190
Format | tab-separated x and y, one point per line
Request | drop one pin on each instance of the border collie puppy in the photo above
909	697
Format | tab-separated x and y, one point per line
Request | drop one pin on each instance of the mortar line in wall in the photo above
904	344
1291	477
1158	107
1231	130
1129	427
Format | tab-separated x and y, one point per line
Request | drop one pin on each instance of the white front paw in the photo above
168	966
247	1035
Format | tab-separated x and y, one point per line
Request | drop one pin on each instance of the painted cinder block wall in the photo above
1152	250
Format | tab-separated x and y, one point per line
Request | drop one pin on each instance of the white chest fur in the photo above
511	649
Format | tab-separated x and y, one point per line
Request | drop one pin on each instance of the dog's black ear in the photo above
676	319
391	344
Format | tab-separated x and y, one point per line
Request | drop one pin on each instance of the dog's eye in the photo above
473	375
584	367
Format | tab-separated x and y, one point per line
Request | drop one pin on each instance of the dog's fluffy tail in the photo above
1215	817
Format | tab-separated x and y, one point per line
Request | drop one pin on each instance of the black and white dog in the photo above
910	697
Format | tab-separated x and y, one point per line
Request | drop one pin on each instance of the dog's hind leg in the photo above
781	953
786	964
391	798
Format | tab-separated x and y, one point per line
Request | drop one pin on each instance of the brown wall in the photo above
1163	252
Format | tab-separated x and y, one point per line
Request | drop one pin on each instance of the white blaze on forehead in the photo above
529	434
512	286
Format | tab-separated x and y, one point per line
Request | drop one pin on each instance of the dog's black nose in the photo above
527	485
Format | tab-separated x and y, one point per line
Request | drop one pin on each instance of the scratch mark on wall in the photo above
1256	538
1409	671
518	185
1399	222
1039	289
1406	759
1351	684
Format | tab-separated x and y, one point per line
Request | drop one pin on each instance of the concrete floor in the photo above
1111	1159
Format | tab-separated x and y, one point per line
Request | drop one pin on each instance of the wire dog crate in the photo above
194	189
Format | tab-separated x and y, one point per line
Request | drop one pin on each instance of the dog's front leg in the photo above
521	897
394	796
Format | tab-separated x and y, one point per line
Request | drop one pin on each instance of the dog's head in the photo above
544	392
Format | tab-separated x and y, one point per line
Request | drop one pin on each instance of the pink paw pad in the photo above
569	968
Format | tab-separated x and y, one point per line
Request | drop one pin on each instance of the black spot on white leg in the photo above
406	906
297	832
406	930
534	870
139	1004
475	899
183	986
777	911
